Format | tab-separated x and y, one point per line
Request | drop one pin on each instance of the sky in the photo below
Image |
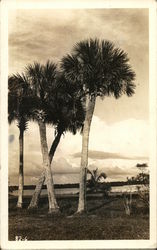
119	137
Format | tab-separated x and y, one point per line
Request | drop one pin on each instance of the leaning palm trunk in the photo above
35	198
21	176
90	104
37	192
53	207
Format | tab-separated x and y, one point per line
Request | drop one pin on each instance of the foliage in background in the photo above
95	183
143	179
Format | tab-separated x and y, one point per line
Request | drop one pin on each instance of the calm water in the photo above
127	188
59	191
44	191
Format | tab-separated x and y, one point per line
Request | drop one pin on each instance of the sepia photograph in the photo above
80	156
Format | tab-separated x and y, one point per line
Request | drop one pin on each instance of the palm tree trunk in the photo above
21	176
35	198
53	207
36	195
90	105
54	145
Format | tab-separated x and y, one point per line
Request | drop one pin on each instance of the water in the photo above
127	188
60	191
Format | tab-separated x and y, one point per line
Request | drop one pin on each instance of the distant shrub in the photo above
143	179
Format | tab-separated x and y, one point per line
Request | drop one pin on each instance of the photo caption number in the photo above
20	238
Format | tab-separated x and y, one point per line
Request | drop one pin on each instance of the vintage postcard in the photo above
78	125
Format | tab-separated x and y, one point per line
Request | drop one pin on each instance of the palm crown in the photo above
56	101
18	105
98	67
96	176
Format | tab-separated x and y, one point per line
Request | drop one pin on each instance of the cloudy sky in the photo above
120	128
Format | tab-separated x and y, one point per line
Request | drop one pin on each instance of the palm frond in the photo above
49	72
71	67
22	123
102	175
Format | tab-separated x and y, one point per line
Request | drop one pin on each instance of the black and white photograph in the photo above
81	138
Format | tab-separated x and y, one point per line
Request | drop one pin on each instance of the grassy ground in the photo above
105	220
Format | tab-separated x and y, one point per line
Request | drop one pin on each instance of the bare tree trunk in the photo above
90	105
36	195
21	176
127	203
53	207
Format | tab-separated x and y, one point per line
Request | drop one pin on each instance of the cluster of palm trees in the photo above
65	95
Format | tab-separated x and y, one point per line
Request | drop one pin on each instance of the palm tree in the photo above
41	80
15	99
18	106
99	69
95	178
70	117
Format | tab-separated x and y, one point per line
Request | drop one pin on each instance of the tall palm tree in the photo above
70	117
99	69
18	107
41	80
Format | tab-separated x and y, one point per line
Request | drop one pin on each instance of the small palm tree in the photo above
95	178
96	68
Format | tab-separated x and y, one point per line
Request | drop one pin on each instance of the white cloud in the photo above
128	138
